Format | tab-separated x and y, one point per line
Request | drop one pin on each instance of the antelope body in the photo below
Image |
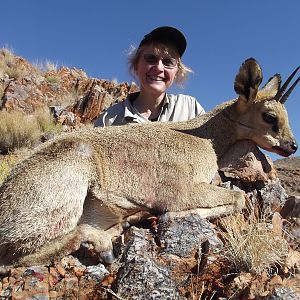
81	186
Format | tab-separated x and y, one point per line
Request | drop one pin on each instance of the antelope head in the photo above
260	115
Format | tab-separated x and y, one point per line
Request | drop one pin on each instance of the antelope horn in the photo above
288	92
283	88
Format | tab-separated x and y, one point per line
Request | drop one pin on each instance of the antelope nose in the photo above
294	146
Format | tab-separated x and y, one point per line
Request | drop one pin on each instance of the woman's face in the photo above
156	68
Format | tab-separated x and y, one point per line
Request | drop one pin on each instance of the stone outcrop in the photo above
98	96
160	264
26	88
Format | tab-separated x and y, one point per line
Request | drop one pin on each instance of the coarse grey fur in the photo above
82	186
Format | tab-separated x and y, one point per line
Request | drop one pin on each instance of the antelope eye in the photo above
269	118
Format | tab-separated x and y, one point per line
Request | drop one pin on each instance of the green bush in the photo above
6	164
55	80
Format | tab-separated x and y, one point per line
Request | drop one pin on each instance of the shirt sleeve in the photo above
199	110
114	115
102	120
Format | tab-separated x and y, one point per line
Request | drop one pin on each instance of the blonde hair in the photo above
160	47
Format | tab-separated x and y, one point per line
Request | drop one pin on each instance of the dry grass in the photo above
69	98
7	56
8	65
6	60
17	72
9	161
251	244
46	66
6	164
2	88
18	130
45	122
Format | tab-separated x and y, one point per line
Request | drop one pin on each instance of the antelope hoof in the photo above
4	271
126	225
107	257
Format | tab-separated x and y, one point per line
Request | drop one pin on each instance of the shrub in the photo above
7	57
8	65
18	130
46	66
54	80
68	98
2	88
6	164
6	60
17	72
251	244
45	121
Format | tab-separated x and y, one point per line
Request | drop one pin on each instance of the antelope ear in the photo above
248	80
271	88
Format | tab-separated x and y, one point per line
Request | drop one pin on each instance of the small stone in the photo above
96	272
79	271
61	270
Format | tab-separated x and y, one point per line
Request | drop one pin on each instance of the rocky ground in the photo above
177	257
288	170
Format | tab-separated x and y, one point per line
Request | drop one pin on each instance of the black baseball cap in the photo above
166	33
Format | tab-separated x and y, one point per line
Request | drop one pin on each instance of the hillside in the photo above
253	254
26	87
288	170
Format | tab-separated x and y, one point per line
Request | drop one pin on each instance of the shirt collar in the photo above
166	99
131	112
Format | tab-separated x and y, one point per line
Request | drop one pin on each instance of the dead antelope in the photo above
80	186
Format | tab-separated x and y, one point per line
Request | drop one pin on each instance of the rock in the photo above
27	88
284	293
41	283
97	273
252	168
184	236
27	283
157	266
181	257
272	197
99	95
291	212
291	208
95	100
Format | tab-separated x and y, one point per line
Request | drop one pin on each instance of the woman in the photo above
157	64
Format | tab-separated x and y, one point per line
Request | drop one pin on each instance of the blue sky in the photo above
96	36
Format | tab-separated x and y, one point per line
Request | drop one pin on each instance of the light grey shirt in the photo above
175	108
